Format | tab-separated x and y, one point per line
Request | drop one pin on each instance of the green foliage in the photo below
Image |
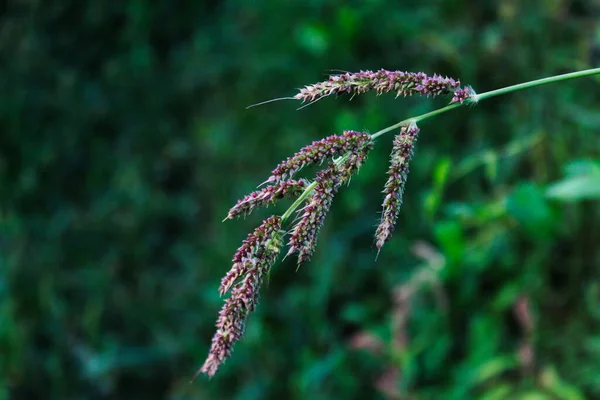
581	183
125	139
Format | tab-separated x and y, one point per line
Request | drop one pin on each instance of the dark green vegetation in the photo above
124	139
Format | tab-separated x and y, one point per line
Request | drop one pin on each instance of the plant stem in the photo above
492	93
298	201
416	119
475	99
538	82
307	192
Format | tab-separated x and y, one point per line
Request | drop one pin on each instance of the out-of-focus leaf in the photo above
500	392
313	37
450	236
562	390
592	299
355	312
484	342
490	158
348	20
582	167
491	165
534	395
319	370
441	172
581	183
574	189
493	368
583	115
507	296
529	207
434	198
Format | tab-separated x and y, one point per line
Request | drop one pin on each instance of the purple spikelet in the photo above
354	161
319	151
382	81
257	254
463	94
402	153
436	85
245	255
267	196
303	237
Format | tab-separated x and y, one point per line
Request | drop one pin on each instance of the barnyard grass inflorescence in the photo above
267	196
464	94
402	152
252	263
382	81
303	237
319	151
345	154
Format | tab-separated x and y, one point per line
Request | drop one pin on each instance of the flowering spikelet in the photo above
382	81
303	237
244	296
245	255
463	94
354	161
267	196
319	151
402	152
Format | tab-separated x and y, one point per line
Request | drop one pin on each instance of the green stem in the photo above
298	201
475	99
492	93
415	119
307	193
538	82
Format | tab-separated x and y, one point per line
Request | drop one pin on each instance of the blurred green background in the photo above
124	139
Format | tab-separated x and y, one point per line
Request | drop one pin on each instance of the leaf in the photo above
491	165
506	296
582	167
562	390
582	182
441	173
497	393
575	189
535	395
312	377
451	238
313	37
493	368
529	207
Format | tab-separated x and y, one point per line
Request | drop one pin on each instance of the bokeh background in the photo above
125	138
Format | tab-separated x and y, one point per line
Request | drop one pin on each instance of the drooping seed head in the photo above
319	151
267	196
354	161
402	153
246	255
303	237
231	322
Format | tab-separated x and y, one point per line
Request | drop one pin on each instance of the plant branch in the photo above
492	93
298	201
538	82
476	98
307	192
